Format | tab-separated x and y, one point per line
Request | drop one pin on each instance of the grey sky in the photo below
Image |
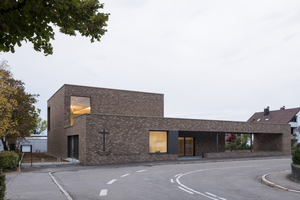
214	59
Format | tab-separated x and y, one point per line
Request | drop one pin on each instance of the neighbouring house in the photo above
107	126
282	116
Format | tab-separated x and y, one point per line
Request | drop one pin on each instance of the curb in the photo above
60	187
269	183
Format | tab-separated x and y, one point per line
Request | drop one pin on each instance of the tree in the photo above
41	125
31	20
7	103
23	115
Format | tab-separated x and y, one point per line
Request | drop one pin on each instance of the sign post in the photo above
27	149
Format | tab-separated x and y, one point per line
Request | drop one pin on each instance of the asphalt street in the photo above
218	180
210	180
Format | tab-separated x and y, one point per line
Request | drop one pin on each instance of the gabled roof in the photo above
276	116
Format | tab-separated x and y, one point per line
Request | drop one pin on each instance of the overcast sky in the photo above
214	59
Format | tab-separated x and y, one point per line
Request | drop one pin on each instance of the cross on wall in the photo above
104	138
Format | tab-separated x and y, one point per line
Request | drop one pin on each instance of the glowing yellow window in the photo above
79	106
158	141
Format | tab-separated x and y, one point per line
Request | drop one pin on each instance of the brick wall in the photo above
120	102
56	139
241	154
128	138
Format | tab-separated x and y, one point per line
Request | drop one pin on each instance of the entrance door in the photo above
73	147
185	146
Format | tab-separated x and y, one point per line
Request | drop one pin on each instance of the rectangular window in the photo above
48	118
158	141
79	106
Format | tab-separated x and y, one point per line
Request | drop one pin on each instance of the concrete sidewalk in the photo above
282	180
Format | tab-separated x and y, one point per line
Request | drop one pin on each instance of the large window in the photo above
79	106
158	141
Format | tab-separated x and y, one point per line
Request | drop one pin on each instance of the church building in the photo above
106	126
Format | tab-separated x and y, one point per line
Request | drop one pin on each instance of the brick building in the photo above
106	126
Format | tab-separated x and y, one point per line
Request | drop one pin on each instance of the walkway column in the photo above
251	141
235	142
217	142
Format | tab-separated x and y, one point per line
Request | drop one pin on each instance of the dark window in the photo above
294	119
48	119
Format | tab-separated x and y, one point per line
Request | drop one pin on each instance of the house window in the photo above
268	119
259	119
158	141
79	106
294	119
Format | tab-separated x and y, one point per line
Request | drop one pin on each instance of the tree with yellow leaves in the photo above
18	115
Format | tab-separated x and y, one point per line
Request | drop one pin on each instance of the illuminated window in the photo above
79	106
158	141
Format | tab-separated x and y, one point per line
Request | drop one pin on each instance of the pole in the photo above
235	142
217	142
251	141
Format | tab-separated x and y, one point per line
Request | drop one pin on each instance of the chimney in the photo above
266	111
282	108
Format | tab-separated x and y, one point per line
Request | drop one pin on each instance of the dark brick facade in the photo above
129	126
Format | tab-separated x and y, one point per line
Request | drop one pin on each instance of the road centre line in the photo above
141	170
222	198
185	190
211	194
125	175
103	192
111	181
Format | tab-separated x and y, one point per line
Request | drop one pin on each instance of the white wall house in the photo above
39	143
282	116
295	123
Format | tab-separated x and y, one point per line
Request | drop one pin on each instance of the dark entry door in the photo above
185	146
73	147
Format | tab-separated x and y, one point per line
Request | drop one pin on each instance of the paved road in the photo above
217	180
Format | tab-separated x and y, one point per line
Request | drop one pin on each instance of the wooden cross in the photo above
104	138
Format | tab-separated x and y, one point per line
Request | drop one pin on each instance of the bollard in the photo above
58	161
43	163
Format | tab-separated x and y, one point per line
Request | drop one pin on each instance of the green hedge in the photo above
296	156
2	185
8	160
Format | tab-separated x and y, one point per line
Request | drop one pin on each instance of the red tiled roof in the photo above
276	116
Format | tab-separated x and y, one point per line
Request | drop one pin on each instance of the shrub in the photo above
2	185
296	156
298	146
293	148
8	160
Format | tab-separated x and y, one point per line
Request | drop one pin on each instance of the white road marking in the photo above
222	198
177	180
125	175
111	181
60	187
211	194
141	170
103	193
185	190
172	180
177	174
